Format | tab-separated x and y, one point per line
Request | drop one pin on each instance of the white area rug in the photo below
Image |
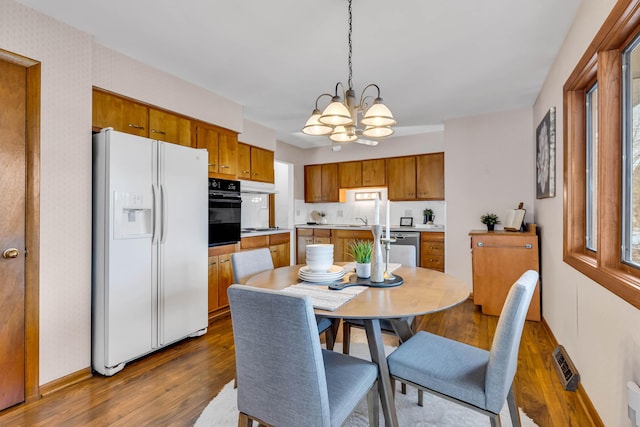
223	412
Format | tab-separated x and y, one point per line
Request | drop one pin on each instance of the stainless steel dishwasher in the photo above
407	238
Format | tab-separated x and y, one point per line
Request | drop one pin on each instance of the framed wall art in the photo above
546	156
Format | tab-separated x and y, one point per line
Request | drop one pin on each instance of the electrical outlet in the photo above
340	214
408	212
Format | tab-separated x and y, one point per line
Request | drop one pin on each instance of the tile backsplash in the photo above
255	211
346	213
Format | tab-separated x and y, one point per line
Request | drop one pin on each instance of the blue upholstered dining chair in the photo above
478	379
249	263
288	379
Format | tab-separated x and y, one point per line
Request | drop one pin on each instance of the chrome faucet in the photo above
364	220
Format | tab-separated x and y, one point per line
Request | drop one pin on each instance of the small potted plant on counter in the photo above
428	216
360	251
490	220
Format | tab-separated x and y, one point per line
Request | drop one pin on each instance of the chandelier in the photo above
339	120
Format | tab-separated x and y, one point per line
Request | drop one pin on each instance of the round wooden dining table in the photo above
423	291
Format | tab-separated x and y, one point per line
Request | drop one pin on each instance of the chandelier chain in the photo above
350	48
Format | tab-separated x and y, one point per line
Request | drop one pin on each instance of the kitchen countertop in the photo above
264	232
420	228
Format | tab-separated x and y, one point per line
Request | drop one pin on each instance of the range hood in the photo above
256	187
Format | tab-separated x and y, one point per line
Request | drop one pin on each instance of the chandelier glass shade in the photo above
339	119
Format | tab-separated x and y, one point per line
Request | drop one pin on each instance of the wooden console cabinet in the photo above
498	259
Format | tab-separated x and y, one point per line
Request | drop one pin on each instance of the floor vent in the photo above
567	371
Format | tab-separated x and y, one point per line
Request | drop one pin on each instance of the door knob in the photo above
10	253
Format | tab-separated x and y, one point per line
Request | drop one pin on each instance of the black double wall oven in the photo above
224	211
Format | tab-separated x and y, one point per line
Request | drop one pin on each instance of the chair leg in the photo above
420	398
495	420
346	337
244	420
513	408
332	333
403	388
373	406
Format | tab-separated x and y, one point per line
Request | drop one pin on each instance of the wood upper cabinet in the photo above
374	173
430	176
222	146
350	174
244	161
402	178
119	113
262	165
169	127
321	183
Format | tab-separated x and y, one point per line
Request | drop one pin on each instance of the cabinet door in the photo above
225	278
402	178
350	174
207	137
432	251
342	239
244	161
169	127
262	165
330	188
280	255
313	183
213	283
374	173
301	249
120	114
430	176
228	153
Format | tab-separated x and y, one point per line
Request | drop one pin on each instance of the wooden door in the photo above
262	165
225	278
168	127
313	183
402	178
350	174
228	154
244	161
430	176
207	137
330	188
213	283
374	173
13	94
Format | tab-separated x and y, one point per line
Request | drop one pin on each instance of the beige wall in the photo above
598	329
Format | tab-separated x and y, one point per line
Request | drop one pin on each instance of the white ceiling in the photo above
433	60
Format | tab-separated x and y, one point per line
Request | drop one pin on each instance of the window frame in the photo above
601	63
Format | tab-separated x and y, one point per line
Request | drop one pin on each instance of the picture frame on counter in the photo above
406	221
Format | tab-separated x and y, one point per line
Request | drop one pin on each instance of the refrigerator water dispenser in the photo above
133	215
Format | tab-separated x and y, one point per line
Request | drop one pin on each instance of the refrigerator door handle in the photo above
165	214
154	191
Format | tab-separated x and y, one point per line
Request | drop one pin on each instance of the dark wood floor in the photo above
172	387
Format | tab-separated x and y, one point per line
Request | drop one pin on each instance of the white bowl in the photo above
319	266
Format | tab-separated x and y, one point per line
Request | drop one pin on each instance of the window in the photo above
602	157
631	154
592	168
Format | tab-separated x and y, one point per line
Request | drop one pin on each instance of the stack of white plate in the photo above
335	272
319	257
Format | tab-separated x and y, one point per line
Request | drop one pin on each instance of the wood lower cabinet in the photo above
220	278
498	259
432	250
342	239
308	236
278	245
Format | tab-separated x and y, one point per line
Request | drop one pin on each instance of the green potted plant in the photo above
490	220
428	216
360	251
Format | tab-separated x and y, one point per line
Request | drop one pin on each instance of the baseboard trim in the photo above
219	314
66	381
581	393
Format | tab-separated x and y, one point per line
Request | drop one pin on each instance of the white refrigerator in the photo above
150	247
